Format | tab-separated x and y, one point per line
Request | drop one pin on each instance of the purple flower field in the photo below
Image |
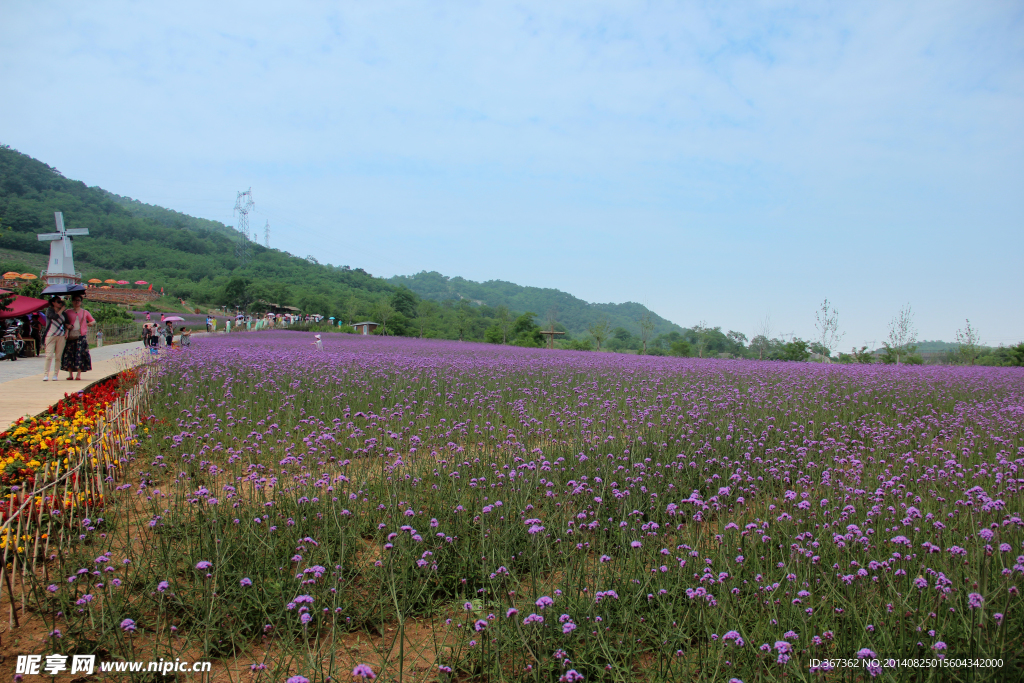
561	516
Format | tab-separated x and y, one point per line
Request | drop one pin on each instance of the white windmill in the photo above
61	269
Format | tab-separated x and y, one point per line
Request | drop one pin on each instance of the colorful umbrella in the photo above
174	319
95	281
105	287
110	282
28	276
11	275
122	282
141	282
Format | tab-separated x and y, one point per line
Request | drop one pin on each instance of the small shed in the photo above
365	327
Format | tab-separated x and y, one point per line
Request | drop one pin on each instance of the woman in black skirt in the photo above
76	358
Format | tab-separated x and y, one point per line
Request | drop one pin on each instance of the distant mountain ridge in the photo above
936	346
575	314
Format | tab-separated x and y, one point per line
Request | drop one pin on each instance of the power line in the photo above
243	205
266	235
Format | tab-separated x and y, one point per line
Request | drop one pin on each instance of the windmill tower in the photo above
61	268
266	235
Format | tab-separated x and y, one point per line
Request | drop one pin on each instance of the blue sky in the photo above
717	161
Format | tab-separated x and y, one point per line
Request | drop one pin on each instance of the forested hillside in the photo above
191	258
575	314
195	259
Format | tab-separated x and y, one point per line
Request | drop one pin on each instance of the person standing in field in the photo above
54	337
169	334
76	358
209	320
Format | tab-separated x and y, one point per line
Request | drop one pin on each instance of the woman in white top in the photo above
54	337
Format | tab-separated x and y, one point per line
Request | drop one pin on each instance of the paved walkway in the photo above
23	391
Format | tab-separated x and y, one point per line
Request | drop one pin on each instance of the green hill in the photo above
196	259
191	258
575	314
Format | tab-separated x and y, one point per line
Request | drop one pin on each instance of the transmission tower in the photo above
243	205
266	235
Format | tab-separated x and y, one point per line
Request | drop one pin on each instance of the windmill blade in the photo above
67	248
58	217
77	231
49	237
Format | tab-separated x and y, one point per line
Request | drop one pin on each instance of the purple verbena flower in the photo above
363	671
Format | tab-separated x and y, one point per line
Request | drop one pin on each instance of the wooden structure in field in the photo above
278	308
551	336
365	328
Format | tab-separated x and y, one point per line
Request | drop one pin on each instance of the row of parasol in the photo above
96	281
11	275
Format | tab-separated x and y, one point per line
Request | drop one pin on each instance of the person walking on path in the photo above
38	321
209	320
54	337
76	358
